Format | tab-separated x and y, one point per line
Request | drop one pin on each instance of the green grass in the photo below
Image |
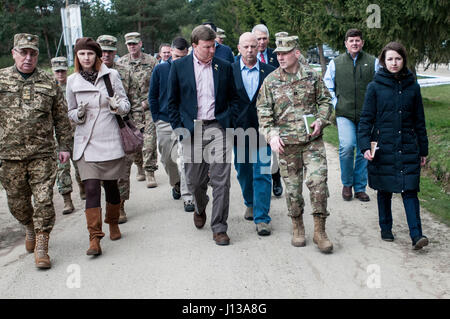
434	185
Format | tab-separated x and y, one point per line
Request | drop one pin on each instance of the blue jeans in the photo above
255	179
412	209
353	170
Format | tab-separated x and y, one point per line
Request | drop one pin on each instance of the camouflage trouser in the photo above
23	179
124	183
299	162
63	178
149	150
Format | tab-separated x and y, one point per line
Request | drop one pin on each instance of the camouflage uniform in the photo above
30	111
142	69
63	178
283	100
129	82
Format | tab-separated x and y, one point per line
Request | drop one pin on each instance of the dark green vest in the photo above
351	83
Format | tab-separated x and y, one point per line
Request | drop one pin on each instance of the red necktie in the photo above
262	58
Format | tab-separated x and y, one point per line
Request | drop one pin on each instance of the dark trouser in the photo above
412	209
93	192
213	155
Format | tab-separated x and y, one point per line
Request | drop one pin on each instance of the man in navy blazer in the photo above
266	55
202	92
252	154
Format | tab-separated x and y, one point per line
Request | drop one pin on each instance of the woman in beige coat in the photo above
97	149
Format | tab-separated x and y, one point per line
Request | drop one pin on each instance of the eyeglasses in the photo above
31	53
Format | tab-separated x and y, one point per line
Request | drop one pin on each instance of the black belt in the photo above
208	122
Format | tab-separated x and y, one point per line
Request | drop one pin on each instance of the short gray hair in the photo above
261	28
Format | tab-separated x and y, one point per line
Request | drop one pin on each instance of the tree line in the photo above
421	25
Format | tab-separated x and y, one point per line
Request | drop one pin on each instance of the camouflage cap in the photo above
59	63
221	33
281	34
286	44
132	37
107	42
26	40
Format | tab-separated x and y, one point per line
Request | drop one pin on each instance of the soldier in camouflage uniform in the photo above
63	178
287	94
108	43
32	109
142	65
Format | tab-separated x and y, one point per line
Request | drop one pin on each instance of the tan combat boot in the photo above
122	215
140	175
41	251
82	191
320	236
112	218
94	226
298	232
151	181
30	237
68	205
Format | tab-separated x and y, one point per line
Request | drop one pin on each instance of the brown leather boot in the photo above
68	205
30	237
122	215
298	232
41	256
140	175
320	236
112	218
94	226
151	181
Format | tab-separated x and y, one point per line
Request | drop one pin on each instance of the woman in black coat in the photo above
393	117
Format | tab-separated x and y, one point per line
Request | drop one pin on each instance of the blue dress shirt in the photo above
250	78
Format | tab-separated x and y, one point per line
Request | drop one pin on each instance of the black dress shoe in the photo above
387	235
277	187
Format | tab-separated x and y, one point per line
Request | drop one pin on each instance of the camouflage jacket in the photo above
30	111
283	100
141	69
130	86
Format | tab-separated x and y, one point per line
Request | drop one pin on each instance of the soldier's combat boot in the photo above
320	236
151	181
122	215
30	237
68	205
41	251
94	226
298	232
112	218
82	192
140	175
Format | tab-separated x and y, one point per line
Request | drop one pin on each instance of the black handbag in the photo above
131	137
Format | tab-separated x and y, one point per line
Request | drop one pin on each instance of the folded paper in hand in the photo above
373	148
308	119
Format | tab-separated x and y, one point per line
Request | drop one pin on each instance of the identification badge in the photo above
26	93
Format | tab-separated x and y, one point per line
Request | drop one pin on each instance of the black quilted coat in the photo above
393	115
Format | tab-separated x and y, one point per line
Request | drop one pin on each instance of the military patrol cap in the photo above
107	42
286	44
26	41
132	37
281	34
59	63
221	33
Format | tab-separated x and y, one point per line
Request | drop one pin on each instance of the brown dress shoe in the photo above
362	196
221	239
199	219
347	193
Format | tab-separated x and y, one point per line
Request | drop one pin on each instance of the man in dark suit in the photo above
201	96
223	51
252	154
266	55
